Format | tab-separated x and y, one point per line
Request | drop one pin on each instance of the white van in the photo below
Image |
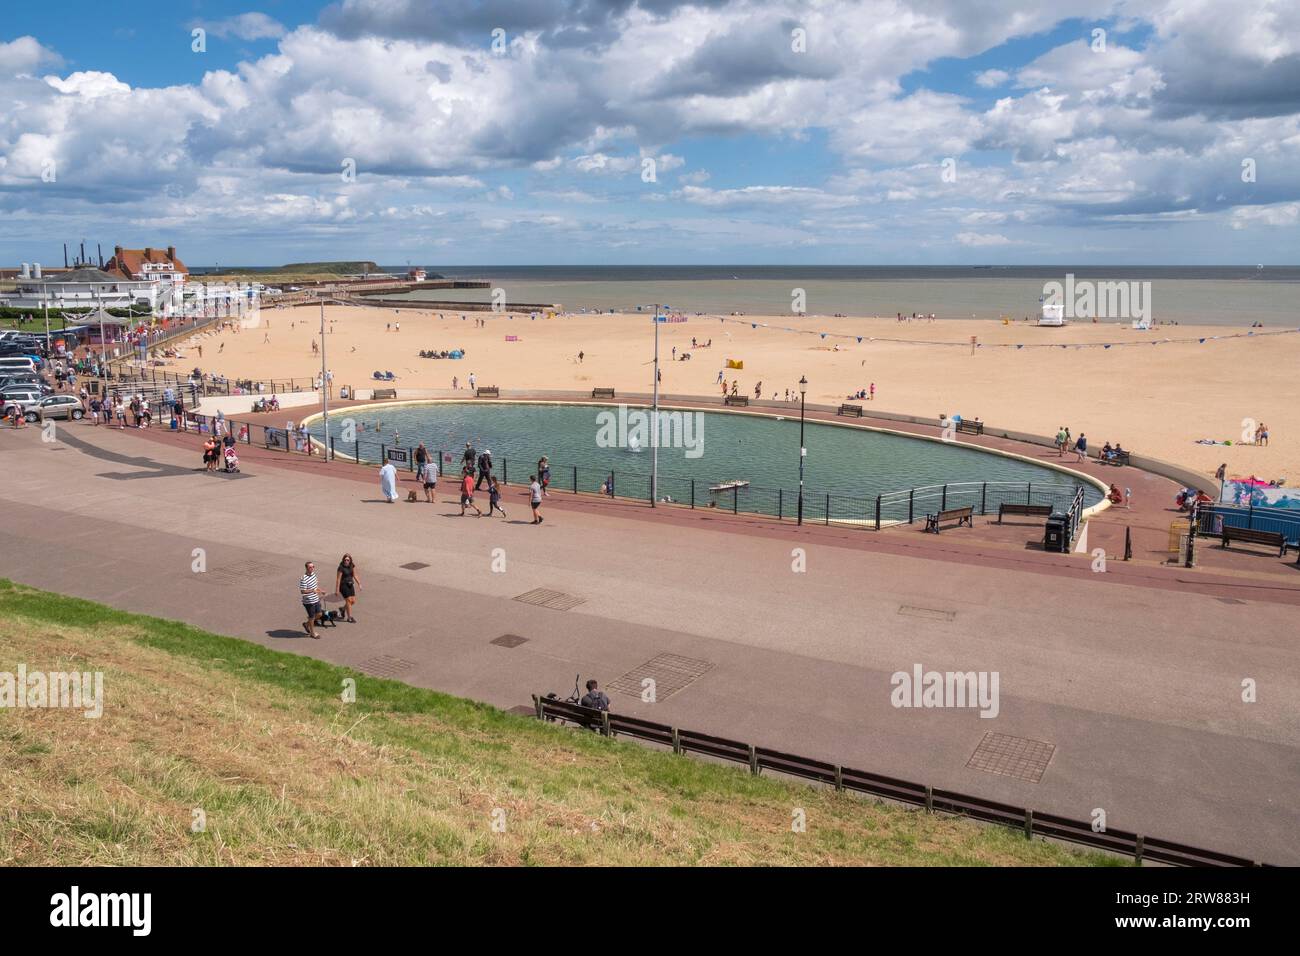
17	363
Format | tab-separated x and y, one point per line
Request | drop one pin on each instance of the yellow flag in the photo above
735	363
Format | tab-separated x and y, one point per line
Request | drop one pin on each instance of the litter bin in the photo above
1054	534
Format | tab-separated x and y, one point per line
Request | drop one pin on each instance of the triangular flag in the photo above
859	340
823	335
1202	341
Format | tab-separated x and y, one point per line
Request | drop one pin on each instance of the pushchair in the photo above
231	459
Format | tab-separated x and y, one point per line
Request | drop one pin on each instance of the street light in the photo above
803	452
654	418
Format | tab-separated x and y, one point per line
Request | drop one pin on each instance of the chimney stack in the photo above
65	255
38	271
100	250
82	260
148	253
171	253
27	271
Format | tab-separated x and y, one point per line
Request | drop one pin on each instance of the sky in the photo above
653	131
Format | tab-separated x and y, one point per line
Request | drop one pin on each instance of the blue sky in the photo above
653	131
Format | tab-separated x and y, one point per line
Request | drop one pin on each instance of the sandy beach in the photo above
1156	400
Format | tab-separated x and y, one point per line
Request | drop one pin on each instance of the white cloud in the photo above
991	78
245	26
981	239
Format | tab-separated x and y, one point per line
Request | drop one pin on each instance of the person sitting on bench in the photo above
595	698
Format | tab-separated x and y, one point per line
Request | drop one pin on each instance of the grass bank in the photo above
285	772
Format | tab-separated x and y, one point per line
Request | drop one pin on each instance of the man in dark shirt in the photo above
595	698
484	469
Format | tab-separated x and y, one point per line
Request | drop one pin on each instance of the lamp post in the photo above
803	452
654	418
324	383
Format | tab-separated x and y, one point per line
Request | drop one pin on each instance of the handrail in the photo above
1031	822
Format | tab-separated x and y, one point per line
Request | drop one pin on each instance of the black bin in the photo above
1055	537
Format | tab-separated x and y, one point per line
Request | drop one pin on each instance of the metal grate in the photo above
385	666
670	672
555	600
926	613
1019	757
414	566
240	573
508	640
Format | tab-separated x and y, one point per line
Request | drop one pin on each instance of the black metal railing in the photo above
1031	822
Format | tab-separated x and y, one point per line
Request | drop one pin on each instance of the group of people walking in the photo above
346	585
475	475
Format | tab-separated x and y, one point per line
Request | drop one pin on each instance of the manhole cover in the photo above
555	600
385	666
508	640
927	613
414	565
670	673
1009	756
252	571
1230	600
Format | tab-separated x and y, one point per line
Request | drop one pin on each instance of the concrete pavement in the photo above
1134	676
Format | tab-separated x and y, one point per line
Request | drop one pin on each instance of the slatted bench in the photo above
1274	539
741	400
488	391
970	428
1033	511
850	411
384	393
962	516
602	393
1119	459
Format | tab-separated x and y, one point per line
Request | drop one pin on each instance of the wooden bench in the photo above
741	400
1274	539
970	428
488	391
1034	511
962	516
602	393
850	411
384	393
1119	459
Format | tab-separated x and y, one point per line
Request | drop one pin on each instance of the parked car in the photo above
23	398
56	406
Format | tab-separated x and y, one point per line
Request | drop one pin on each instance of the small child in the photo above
494	498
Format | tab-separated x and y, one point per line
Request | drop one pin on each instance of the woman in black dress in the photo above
347	584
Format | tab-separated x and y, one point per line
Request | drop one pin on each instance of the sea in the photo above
1188	295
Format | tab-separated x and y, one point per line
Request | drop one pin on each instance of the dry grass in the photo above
286	773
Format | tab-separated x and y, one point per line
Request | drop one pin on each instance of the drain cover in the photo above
385	666
670	672
1009	756
508	640
555	600
251	571
414	565
1230	600
928	613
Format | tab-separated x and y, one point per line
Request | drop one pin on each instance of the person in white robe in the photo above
388	482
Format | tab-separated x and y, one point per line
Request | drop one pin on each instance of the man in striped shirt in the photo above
310	592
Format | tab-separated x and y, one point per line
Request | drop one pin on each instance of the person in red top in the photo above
467	493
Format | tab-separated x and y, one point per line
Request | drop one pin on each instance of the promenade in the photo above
1132	676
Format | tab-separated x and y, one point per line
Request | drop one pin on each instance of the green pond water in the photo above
845	469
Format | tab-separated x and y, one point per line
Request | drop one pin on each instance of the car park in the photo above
23	398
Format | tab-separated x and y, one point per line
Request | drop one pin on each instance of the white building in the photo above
80	288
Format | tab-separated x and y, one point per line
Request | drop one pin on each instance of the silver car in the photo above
56	406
